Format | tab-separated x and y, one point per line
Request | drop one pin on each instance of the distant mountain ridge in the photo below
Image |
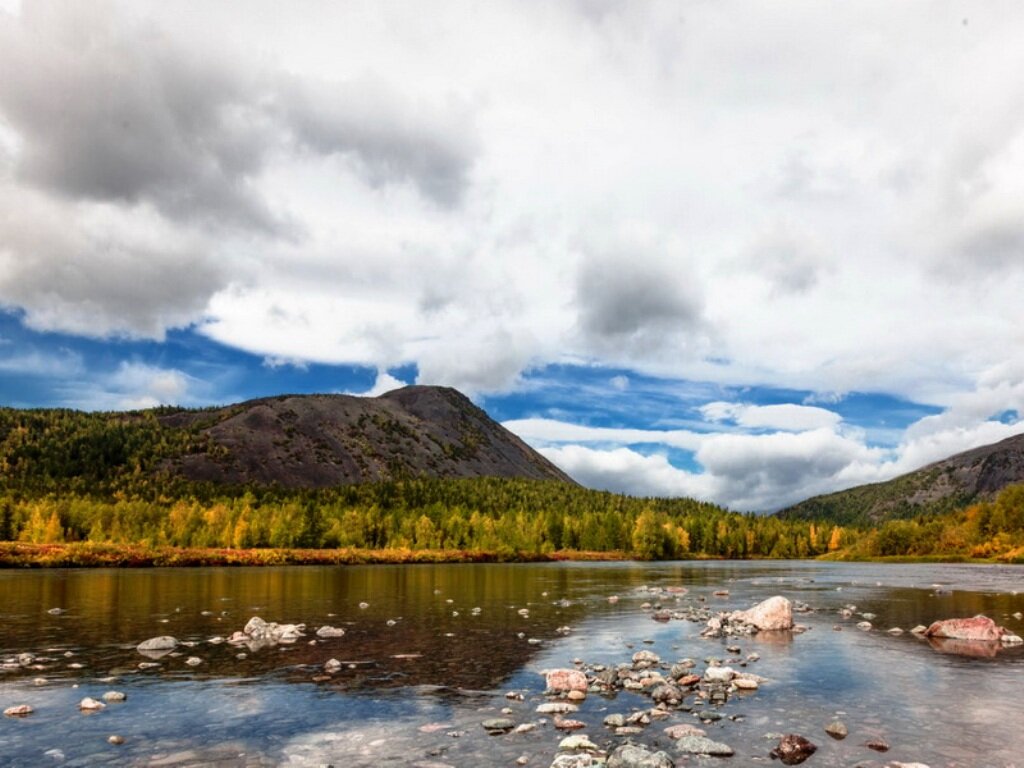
974	475
291	441
315	441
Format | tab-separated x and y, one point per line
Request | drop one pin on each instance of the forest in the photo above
68	477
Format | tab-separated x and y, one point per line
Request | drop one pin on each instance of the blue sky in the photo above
740	251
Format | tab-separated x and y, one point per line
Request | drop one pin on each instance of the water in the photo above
422	670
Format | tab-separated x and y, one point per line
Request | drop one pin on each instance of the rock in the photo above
576	695
864	626
701	745
719	674
920	629
577	742
793	749
163	643
91	705
615	720
193	661
775	613
895	631
566	724
678	731
328	631
905	765
565	680
19	710
643	659
556	708
634	756
331	666
524	728
580	760
837	730
976	628
746	683
879	745
114	696
115	739
498	725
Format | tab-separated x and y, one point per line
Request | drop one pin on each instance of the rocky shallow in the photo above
642	708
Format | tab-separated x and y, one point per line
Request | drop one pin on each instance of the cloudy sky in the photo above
742	251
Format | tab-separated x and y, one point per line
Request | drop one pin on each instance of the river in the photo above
430	652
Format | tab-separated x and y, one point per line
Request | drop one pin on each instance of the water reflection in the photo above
419	655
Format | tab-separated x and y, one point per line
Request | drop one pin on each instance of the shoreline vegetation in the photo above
475	520
105	555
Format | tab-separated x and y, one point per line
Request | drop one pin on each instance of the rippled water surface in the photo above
422	669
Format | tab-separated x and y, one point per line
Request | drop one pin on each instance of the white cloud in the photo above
134	386
547	431
787	416
384	383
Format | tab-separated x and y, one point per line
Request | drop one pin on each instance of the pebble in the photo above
793	749
114	696
837	730
193	661
19	710
91	705
577	742
879	745
115	739
498	725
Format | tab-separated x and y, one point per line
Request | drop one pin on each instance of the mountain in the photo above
974	475
293	441
315	441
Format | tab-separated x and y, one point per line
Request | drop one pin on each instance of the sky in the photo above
742	251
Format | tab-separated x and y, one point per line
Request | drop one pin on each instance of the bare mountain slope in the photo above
976	474
315	441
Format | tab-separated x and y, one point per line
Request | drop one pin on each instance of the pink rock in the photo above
978	628
565	680
774	613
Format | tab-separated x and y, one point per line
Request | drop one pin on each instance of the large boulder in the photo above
773	614
978	628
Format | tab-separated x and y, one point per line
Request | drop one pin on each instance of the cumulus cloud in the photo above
384	383
134	386
97	270
786	416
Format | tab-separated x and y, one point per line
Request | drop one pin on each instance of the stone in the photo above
678	731
524	728
920	629
701	745
193	661
645	659
775	613
719	674
976	628
745	683
837	730
498	725
556	708
91	705
331	666
576	695
162	643
114	696
19	710
576	743
879	745
328	631
579	760
793	749
615	720
565	680
864	626
635	756
115	739
567	724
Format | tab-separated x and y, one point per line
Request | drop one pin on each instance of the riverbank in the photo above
92	555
